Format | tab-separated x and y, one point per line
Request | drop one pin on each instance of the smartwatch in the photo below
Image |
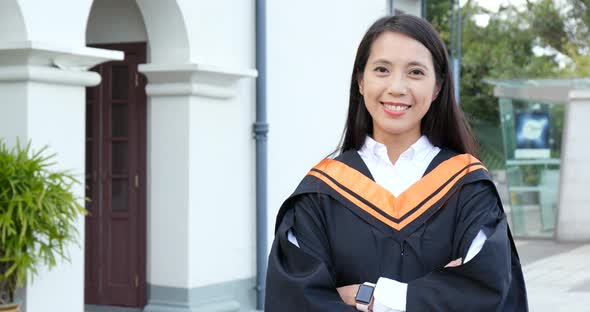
364	296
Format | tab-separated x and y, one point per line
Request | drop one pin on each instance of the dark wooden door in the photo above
115	250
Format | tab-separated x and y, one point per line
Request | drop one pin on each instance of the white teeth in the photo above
396	107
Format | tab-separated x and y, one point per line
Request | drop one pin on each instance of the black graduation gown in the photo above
350	230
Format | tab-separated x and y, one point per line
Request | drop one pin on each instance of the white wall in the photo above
12	26
222	186
58	21
222	203
12	112
168	192
201	189
221	32
115	21
36	112
166	30
62	288
574	199
311	50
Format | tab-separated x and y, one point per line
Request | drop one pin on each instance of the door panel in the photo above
115	166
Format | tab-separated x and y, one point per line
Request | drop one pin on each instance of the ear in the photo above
436	91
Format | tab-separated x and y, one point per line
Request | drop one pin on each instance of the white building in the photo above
165	143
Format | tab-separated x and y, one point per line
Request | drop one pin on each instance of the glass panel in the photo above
119	120
119	157
532	139
120	82
119	195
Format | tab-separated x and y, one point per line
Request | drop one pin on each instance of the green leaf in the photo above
37	213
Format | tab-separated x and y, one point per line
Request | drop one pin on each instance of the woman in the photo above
405	205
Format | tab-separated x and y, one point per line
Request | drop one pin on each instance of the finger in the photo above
454	263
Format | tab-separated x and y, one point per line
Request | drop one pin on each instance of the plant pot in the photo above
10	307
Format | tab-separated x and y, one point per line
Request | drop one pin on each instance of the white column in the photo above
194	137
573	215
42	99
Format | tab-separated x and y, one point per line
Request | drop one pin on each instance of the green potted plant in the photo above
37	215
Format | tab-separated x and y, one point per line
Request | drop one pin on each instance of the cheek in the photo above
370	97
426	94
426	99
369	103
426	102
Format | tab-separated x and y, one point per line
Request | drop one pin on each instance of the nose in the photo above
398	85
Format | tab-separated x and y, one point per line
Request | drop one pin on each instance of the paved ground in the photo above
557	275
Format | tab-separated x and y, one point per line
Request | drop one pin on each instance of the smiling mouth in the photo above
396	107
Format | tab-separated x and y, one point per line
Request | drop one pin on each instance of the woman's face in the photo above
398	85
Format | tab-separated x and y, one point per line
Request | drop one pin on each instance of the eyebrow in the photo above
412	63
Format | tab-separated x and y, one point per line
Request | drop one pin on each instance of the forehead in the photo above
399	48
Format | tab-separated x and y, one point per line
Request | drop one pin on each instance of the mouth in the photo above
395	109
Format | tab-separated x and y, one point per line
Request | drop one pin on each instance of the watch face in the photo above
365	293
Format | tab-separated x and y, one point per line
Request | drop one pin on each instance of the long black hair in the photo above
444	124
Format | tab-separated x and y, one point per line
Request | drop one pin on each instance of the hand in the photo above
348	294
454	263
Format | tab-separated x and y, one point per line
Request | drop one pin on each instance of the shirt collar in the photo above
421	148
416	152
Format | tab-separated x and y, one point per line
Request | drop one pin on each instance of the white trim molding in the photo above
579	94
552	94
48	75
51	63
193	80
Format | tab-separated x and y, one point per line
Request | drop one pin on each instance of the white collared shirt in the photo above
407	170
390	295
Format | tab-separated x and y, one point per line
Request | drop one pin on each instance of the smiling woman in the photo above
398	85
405	218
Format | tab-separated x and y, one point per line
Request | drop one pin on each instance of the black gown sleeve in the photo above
301	278
492	280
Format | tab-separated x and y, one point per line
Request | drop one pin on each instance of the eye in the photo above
416	71
381	70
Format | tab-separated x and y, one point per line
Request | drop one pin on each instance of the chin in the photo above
397	130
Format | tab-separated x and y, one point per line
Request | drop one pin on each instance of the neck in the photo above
397	143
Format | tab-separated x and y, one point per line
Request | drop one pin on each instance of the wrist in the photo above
372	302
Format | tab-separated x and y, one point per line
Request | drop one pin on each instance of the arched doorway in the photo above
116	110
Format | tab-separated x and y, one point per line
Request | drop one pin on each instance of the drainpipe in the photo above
457	63
452	22
456	46
260	133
